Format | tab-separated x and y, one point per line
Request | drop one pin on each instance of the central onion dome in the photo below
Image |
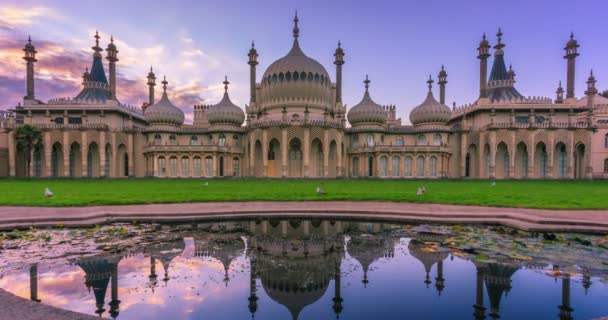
295	80
430	111
367	111
164	112
226	112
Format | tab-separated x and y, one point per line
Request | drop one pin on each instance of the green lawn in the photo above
531	194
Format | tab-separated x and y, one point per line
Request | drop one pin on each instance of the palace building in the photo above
296	125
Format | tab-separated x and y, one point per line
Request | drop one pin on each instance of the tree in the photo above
28	138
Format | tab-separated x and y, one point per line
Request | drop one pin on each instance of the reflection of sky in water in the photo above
396	286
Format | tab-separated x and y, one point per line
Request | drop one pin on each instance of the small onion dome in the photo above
572	42
164	112
484	43
430	110
226	112
111	45
367	110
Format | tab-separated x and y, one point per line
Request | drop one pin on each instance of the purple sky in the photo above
398	43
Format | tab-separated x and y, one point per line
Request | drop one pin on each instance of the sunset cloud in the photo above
11	17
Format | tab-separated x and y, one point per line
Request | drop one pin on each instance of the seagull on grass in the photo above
320	191
493	184
206	184
420	192
47	192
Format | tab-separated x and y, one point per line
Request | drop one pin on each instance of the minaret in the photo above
565	310
337	296
30	57
253	61
85	76
591	90
114	303
560	94
34	282
253	298
484	53
511	73
480	310
439	281
443	79
112	58
571	54
339	55
151	85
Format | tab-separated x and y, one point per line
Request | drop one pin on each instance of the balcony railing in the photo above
531	125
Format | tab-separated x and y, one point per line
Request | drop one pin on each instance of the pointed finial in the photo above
111	39
510	67
367	81
442	68
571	35
339	44
96	38
560	83
226	83
29	39
164	82
484	36
151	69
252	44
430	82
296	30
591	73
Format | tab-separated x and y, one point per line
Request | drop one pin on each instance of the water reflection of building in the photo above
99	270
295	261
164	251
429	255
369	243
497	279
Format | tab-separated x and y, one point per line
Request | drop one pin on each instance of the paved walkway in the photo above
526	219
17	308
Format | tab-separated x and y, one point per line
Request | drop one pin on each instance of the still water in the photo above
308	269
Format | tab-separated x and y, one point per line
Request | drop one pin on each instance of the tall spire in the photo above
296	30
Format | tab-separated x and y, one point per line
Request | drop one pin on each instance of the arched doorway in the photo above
433	166
75	160
579	161
420	166
355	168
57	160
408	166
209	166
396	163
258	162
197	166
37	161
487	161
221	165
295	158
502	161
236	167
20	163
93	160
370	166
521	160
122	161
274	158
560	160
162	166
383	166
540	160
173	166
332	157
471	162
107	168
316	158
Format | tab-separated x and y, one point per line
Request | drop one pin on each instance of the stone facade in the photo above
295	126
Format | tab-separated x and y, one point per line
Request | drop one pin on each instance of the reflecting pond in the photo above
308	269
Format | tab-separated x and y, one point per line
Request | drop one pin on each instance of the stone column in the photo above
570	150
66	153
306	151
155	165
463	155
12	154
339	159
179	166
265	151
48	151
284	146
84	152
512	156
325	153
251	153
402	166
113	162
482	156
191	163
102	153
130	147
550	154
215	167
492	154
34	282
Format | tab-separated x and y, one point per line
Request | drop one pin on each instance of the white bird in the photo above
423	189
419	192
47	192
206	184
493	184
321	191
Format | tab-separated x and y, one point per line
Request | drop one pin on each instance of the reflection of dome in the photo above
430	111
366	111
367	248
166	251
226	112
98	271
164	112
296	80
497	278
224	247
427	254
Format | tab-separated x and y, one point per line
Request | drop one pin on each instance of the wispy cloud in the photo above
12	17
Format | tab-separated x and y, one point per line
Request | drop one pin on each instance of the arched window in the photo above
437	139
209	166
370	140
162	167
172	140
408	166
194	141
108	160
210	139
420	166
421	140
222	140
322	79
236	167
310	76
562	165
433	166
316	77
399	141
235	141
274	78
355	140
173	166
355	167
303	76
296	76
288	76
196	166
396	164
157	139
606	141
383	166
281	77
606	166
185	167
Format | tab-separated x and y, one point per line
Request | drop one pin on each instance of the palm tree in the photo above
28	138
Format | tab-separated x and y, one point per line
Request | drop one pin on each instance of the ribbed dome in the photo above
296	61
367	110
226	112
430	111
164	112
